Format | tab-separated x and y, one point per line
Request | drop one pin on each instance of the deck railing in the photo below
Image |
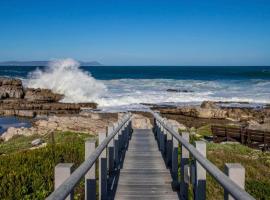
169	140
107	154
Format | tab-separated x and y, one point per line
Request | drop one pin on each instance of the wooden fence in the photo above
252	138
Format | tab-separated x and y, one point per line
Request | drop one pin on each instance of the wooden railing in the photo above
252	138
111	144
194	165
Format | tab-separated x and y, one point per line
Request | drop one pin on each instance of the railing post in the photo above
110	151
184	162
200	174
120	137
126	136
236	172
130	126
169	149
158	132
161	139
155	127
61	172
102	169
175	158
90	176
116	146
164	139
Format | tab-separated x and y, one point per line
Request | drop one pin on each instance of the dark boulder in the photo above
179	90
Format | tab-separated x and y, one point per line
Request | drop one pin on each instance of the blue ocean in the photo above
131	86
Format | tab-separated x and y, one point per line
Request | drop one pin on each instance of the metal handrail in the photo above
230	186
67	186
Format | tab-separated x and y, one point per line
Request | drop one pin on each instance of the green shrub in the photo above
29	174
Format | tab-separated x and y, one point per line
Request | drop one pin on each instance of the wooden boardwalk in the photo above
144	174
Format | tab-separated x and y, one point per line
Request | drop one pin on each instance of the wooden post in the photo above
155	127
264	142
90	176
158	133
166	133
126	135
110	151
236	172
184	162
169	149
116	147
130	127
61	172
120	137
161	139
175	158
102	169
200	178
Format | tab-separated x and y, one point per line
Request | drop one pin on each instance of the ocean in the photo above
115	87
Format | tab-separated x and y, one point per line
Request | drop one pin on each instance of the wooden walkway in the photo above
144	174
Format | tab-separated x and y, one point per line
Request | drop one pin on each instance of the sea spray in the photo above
64	76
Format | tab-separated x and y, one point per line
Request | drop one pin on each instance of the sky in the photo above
137	32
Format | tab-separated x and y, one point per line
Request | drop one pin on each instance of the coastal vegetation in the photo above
29	174
255	162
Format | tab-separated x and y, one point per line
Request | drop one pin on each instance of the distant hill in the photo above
42	63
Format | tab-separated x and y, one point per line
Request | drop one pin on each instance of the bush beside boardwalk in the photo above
29	174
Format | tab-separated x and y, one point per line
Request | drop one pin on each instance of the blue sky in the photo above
137	32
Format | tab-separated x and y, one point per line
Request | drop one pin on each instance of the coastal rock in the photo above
179	90
181	127
209	105
10	81
11	88
208	111
37	142
265	126
62	123
29	102
41	95
11	132
141	122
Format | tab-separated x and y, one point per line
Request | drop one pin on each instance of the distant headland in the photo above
43	63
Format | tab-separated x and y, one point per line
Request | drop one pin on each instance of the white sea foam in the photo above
131	92
65	77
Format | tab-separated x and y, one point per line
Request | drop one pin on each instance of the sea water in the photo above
115	87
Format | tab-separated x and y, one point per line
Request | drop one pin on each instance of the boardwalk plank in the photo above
144	174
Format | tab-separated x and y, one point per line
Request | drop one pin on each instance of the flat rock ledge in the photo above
81	124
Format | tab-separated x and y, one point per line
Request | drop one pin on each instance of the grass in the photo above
29	174
205	130
255	162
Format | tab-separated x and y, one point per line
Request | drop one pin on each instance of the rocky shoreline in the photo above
16	100
211	113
